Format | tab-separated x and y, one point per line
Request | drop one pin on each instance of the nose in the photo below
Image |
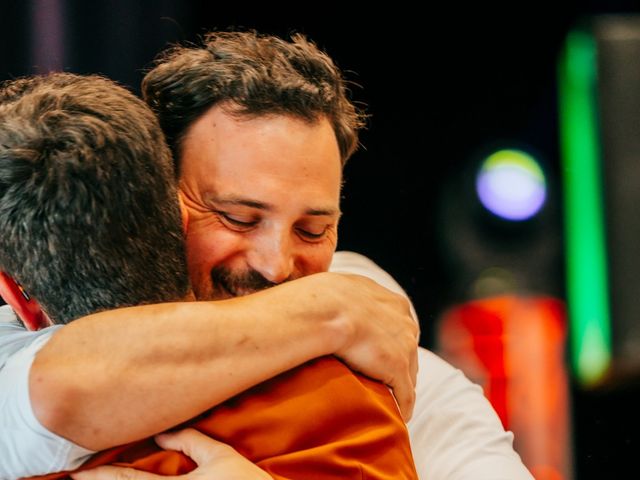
273	257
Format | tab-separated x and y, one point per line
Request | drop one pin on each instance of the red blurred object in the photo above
514	347
25	306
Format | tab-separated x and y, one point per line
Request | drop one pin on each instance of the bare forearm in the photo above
122	375
119	376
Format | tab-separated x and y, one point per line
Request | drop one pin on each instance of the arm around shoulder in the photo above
118	376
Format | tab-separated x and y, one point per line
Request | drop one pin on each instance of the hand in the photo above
215	460
383	339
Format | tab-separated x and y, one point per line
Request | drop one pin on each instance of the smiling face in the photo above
262	194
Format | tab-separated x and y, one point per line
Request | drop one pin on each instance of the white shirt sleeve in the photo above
26	447
455	432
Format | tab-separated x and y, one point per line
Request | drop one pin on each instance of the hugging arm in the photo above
118	376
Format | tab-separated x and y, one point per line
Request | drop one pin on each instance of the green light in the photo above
516	158
587	283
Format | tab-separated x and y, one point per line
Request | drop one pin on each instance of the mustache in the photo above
247	281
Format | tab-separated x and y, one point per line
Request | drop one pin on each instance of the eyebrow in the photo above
247	202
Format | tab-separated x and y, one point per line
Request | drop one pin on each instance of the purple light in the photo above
511	185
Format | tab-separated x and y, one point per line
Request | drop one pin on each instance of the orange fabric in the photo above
317	421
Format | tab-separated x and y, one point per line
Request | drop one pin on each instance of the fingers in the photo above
382	334
405	396
114	473
214	459
403	383
197	446
413	368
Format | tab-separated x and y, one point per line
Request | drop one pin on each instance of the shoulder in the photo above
7	316
15	339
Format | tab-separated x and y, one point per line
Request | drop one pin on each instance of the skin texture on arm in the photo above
181	359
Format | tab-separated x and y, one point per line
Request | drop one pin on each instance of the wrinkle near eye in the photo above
317	236
237	223
238	219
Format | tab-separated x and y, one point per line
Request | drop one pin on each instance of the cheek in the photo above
210	246
315	258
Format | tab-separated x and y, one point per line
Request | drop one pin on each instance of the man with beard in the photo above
260	129
84	238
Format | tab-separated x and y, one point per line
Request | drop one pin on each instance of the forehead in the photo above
223	152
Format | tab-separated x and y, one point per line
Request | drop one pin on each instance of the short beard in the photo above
238	284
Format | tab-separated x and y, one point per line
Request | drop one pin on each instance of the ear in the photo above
25	306
184	212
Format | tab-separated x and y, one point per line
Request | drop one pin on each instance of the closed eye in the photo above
312	235
236	222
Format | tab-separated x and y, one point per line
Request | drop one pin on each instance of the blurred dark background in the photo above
443	85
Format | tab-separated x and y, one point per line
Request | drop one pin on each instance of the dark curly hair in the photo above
254	75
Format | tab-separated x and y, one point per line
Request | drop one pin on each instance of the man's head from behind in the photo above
88	206
260	128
